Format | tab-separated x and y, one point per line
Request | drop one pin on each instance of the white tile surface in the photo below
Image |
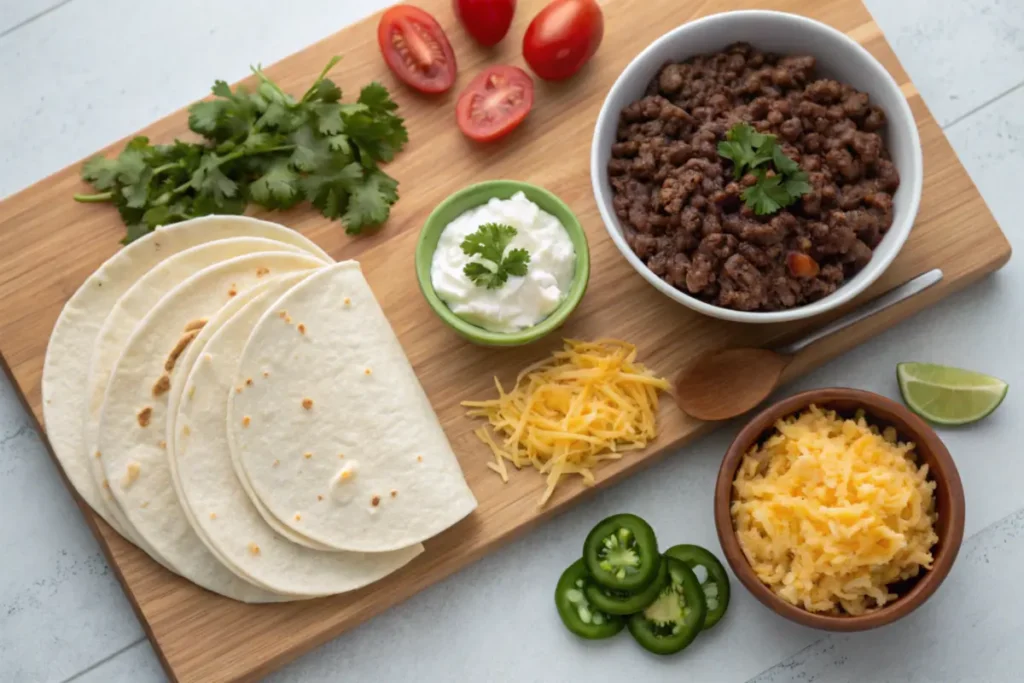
135	664
979	603
60	606
96	70
16	13
61	611
959	53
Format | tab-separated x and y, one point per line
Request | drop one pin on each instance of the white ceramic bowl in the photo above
839	57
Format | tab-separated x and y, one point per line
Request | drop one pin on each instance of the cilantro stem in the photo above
312	89
166	167
237	154
94	198
258	70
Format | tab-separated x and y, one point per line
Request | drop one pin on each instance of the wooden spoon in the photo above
728	382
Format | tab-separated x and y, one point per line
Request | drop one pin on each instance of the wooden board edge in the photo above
96	525
861	331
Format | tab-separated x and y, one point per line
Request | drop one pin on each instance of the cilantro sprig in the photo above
754	152
264	147
489	242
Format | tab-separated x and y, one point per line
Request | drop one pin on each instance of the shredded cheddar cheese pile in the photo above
589	402
829	512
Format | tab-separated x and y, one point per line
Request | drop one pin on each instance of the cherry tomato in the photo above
563	37
494	103
486	20
416	49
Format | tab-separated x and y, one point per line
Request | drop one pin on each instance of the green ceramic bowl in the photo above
478	194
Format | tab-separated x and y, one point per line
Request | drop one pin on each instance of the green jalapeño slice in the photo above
621	554
620	602
578	615
714	581
674	619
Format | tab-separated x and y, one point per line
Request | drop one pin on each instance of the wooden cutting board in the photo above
49	244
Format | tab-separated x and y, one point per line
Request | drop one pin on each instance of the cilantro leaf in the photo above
370	201
210	180
783	164
377	98
311	151
329	188
482	276
797	185
746	148
750	152
101	172
516	262
278	188
739	154
766	196
328	116
221	89
264	147
324	89
204	117
489	243
339	143
134	232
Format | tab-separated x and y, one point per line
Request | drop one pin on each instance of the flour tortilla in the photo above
131	444
66	368
220	509
133	307
279	285
381	423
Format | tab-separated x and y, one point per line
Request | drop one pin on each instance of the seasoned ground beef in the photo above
680	204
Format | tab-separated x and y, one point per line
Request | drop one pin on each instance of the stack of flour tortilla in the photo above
236	404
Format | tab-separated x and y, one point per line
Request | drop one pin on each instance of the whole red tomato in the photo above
486	20
563	37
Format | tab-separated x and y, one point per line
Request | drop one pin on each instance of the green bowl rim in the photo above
580	278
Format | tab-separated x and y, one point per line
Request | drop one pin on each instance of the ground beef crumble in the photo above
681	207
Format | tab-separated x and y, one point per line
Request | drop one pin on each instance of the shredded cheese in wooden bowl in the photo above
588	403
830	512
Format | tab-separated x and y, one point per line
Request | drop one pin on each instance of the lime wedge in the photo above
949	396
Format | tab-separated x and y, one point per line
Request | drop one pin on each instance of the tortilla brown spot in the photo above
162	385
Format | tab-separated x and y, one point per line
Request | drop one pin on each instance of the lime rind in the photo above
947	395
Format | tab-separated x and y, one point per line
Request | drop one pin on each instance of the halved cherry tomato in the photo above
486	20
494	103
563	37
416	49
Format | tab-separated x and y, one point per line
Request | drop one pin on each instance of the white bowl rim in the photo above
897	234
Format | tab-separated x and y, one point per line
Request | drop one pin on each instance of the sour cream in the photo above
521	302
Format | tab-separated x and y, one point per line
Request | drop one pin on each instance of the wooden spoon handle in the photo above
890	298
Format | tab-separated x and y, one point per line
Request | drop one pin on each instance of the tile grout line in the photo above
29	20
957	120
114	655
983	105
966	539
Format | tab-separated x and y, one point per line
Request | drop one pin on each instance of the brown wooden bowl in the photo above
881	411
